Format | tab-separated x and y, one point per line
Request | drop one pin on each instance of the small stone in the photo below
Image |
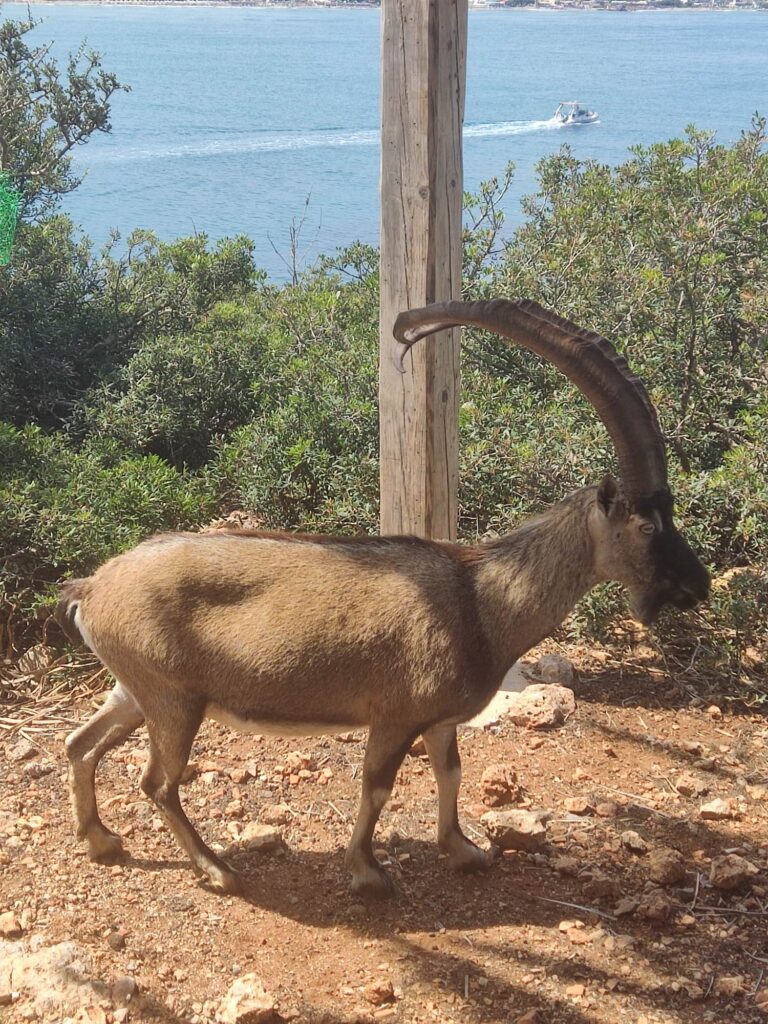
541	706
553	668
633	842
263	838
689	785
718	810
22	751
692	747
276	814
531	1017
246	1002
656	906
116	939
730	985
714	711
567	866
666	866
10	928
575	991
124	990
234	809
499	786
578	805
517	830
602	887
731	872
379	992
626	905
606	809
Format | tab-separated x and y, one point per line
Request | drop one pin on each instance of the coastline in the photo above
618	7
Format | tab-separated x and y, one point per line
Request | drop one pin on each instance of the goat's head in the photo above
634	536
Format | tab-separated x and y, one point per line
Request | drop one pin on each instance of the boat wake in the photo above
276	142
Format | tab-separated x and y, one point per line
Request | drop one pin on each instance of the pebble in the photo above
22	751
124	989
730	872
499	786
276	814
379	992
541	706
517	830
656	906
263	838
666	866
689	785
578	805
116	939
10	927
633	842
718	810
246	1000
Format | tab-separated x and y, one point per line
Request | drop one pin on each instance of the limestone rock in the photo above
517	830
633	842
656	906
731	872
718	810
499	786
55	981
379	992
276	814
541	706
666	866
263	838
246	1002
124	990
10	928
689	785
22	751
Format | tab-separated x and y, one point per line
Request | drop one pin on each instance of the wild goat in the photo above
301	635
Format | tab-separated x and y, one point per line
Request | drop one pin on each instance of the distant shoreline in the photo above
630	6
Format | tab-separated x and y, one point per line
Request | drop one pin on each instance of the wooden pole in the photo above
424	45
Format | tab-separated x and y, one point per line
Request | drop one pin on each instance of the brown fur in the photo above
404	636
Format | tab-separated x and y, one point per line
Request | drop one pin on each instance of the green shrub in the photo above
63	512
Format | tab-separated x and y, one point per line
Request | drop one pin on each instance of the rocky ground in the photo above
631	879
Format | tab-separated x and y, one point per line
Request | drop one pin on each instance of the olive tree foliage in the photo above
46	113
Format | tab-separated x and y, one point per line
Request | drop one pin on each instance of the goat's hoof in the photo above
470	859
225	880
105	848
372	884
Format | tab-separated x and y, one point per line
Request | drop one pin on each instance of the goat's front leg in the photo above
387	746
443	749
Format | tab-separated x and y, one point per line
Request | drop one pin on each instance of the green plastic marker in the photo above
9	208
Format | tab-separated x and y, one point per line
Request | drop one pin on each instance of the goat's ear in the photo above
609	497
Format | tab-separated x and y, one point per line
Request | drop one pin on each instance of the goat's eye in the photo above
648	528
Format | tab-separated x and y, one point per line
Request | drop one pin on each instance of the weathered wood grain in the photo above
423	79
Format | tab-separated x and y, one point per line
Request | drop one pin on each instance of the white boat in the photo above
574	113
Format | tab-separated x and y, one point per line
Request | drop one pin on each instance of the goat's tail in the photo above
65	614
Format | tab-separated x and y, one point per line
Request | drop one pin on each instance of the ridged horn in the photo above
587	359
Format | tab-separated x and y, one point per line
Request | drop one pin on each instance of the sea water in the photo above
256	120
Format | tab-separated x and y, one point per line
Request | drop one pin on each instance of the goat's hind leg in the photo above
387	746
115	720
170	742
443	749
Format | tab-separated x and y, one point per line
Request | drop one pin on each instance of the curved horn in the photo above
587	359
